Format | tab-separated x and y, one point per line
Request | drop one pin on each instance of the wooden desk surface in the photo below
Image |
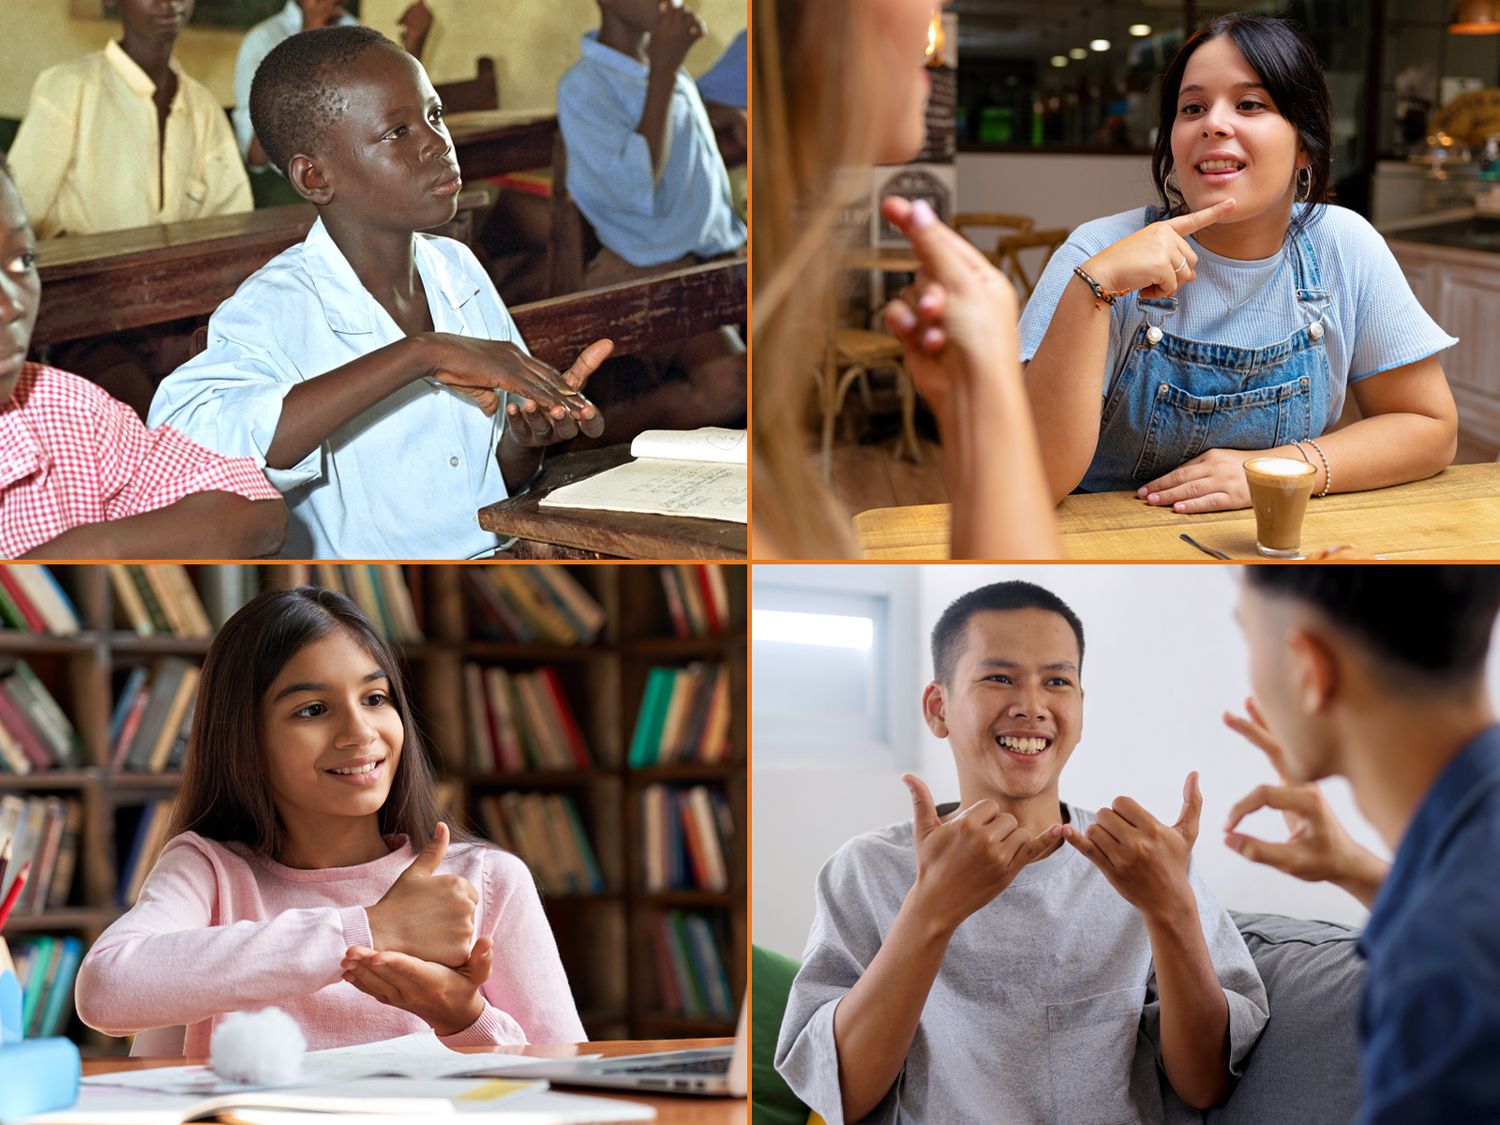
561	533
1454	515
492	142
670	1109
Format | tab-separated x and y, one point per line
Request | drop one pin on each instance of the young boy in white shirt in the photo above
1019	960
367	368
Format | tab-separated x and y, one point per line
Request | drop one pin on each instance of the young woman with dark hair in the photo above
312	868
1166	348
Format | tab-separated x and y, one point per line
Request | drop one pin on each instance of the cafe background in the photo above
1043	117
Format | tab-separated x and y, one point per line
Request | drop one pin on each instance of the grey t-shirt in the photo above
1045	1007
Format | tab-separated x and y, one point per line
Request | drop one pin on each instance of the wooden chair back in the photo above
480	92
1007	256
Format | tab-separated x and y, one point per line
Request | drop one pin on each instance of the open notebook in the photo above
701	473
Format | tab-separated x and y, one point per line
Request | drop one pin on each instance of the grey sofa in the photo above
1304	1069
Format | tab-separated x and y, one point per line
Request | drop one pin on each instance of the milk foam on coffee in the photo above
1280	467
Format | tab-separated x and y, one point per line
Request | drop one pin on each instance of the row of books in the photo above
684	716
32	601
697	598
35	733
159	599
45	967
686	833
544	829
148	828
42	831
521	720
149	728
382	593
534	604
689	968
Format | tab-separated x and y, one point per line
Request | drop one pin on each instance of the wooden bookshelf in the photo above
606	939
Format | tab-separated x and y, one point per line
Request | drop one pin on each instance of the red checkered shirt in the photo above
70	455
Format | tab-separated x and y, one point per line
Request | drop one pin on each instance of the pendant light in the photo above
1475	17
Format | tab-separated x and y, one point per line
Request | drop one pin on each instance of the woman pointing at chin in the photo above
1167	348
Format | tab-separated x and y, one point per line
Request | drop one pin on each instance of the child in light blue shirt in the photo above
366	368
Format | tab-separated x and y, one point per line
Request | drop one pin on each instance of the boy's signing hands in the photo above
427	915
552	407
1318	847
963	863
1144	859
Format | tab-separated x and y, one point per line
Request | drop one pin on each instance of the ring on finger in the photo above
1181	265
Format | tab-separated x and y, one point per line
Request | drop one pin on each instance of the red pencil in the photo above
15	892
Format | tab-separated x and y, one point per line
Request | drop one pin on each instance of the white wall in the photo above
1055	190
1164	660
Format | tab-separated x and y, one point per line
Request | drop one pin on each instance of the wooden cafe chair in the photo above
851	354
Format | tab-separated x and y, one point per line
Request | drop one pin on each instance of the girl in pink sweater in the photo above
311	869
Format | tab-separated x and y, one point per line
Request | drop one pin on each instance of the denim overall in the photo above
1176	398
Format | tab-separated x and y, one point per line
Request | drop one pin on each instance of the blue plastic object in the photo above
36	1075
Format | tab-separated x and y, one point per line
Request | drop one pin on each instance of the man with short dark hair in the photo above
1376	674
970	968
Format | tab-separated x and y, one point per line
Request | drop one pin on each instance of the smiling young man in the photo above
1377	674
1020	960
373	370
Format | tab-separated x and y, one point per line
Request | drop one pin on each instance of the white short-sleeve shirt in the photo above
403	480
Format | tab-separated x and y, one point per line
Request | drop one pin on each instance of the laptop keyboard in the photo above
702	1066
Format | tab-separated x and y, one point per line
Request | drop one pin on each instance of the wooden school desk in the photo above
634	315
98	283
1454	515
492	142
670	1109
575	533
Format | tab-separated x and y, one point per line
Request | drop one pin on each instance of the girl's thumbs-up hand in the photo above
427	915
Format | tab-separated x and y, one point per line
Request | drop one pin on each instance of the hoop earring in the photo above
1304	185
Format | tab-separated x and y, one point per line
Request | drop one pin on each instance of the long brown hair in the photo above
226	786
811	123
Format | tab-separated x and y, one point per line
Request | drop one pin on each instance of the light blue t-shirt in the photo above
1373	322
403	480
646	221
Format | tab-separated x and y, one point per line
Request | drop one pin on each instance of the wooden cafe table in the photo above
1454	515
671	1109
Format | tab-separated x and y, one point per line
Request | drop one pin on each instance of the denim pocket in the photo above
1091	1047
1183	425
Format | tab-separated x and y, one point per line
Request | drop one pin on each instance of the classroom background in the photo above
532	44
589	718
1164	660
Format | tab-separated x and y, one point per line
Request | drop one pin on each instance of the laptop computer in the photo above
716	1071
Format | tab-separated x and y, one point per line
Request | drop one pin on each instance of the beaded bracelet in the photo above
1327	469
1100	293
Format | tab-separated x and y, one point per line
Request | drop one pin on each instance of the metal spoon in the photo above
1206	550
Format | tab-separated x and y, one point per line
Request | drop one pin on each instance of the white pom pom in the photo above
262	1048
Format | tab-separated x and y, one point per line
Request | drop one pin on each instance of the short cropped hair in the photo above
297	93
1434	621
948	633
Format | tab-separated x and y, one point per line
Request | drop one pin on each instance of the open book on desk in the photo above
699	473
